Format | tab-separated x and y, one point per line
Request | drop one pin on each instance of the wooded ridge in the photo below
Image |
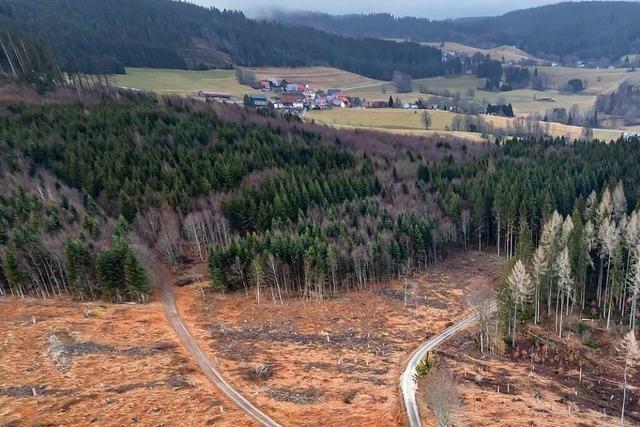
275	206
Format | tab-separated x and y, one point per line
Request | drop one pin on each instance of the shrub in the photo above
426	365
442	396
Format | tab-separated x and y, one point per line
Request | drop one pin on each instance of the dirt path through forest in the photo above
186	338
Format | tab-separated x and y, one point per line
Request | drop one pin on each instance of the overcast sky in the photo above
435	9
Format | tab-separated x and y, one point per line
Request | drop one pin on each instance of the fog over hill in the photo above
434	9
599	32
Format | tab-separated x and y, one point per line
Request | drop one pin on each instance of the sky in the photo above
434	9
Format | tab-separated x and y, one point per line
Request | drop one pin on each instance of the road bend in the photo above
408	383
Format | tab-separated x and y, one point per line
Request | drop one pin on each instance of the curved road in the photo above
408	384
171	311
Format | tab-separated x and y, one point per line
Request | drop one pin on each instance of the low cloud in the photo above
435	9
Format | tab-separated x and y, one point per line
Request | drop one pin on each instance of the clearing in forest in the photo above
71	363
543	381
334	362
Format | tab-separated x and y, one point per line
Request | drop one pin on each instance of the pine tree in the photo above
135	278
524	247
579	255
216	272
332	266
12	271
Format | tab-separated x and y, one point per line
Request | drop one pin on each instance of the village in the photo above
297	97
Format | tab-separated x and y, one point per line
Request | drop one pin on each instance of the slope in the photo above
104	36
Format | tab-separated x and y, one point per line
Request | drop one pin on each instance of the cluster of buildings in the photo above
296	96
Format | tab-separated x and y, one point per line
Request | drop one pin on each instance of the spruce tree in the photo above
524	249
135	278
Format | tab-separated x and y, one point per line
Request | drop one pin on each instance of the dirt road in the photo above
408	384
187	339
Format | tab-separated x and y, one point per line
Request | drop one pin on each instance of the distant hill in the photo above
508	53
106	35
590	30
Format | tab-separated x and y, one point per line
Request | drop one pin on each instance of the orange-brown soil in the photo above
538	383
64	363
335	362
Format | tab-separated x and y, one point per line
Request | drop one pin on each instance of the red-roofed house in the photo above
294	100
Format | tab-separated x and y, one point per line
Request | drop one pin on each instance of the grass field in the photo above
523	100
187	82
509	53
181	82
407	121
318	77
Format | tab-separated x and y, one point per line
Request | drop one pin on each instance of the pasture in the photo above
509	53
524	101
411	122
317	77
181	82
187	82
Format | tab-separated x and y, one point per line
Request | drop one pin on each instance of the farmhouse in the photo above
274	82
320	103
257	100
265	85
298	87
293	100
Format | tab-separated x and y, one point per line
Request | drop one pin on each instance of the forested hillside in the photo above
104	36
589	30
25	60
274	206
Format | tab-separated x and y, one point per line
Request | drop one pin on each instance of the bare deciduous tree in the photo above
465	226
631	353
442	397
619	201
519	283
402	82
426	120
540	266
633	283
565	285
245	76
